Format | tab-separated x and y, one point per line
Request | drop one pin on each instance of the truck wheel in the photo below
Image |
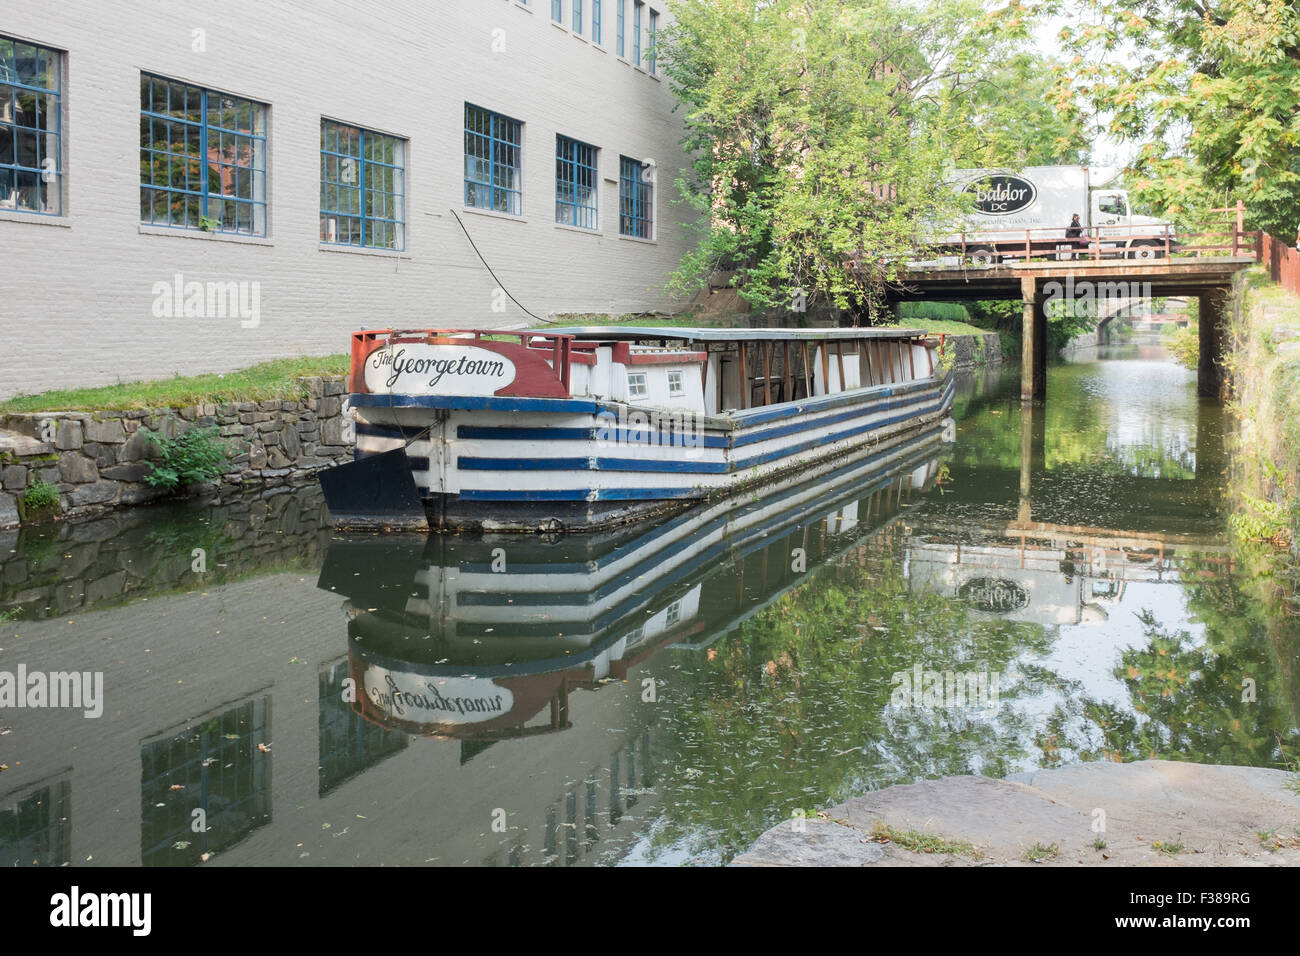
1147	250
980	256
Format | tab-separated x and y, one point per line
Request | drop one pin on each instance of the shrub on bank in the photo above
195	457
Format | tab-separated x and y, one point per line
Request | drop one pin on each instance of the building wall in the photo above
77	291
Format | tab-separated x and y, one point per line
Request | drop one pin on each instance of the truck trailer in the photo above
1026	213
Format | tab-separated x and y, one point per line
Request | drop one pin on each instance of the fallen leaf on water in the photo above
177	786
265	748
205	857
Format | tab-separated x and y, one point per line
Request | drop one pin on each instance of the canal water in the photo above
1056	585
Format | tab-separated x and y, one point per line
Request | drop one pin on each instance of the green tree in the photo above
821	132
1209	90
1021	118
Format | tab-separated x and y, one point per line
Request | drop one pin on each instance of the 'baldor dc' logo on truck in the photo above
1002	194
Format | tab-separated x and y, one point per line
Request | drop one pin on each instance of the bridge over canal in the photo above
1037	282
1108	266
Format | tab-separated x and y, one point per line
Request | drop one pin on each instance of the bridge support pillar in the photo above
1033	343
1212	315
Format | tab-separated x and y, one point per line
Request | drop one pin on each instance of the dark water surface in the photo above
1055	586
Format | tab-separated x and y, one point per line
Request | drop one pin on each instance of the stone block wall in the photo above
98	460
973	351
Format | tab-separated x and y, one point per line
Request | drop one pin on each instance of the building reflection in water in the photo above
206	787
36	826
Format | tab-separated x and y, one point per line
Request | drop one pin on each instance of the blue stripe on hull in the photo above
780	431
385	431
593	464
757	416
583	494
599	463
621	435
572	406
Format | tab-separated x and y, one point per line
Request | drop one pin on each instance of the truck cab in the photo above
1141	237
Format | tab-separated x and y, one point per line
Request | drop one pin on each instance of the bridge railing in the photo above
1220	233
1283	261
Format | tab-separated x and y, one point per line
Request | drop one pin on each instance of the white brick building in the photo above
96	98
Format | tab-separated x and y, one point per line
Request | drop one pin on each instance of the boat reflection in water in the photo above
484	639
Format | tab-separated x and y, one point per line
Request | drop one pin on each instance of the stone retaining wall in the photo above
973	351
99	460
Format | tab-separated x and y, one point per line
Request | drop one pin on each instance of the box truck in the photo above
1030	210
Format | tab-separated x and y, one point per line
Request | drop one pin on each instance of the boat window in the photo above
636	387
676	383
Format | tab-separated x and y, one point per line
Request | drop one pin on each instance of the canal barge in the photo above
575	429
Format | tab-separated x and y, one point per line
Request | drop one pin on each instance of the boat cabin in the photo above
701	370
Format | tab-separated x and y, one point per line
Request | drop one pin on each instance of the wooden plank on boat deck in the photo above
807	372
911	358
826	366
889	354
839	358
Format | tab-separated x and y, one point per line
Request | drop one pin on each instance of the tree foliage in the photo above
1209	90
821	131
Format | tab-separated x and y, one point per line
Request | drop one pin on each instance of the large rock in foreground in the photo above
1151	813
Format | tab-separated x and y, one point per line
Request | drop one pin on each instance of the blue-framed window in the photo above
654	42
31	153
577	16
637	7
493	161
202	158
576	184
362	187
557	11
620	27
636	207
595	22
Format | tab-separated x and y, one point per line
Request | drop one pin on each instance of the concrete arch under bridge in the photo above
1209	279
